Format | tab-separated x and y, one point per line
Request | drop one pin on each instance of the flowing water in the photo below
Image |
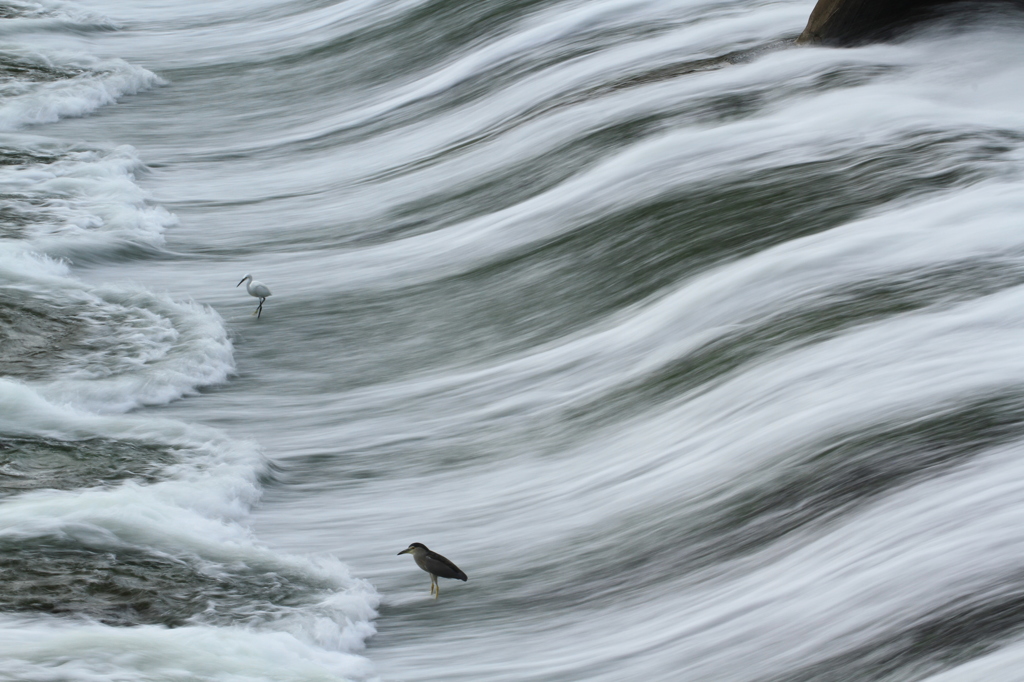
702	353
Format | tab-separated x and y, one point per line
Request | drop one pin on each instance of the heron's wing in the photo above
439	565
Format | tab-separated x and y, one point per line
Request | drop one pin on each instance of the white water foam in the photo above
127	347
45	650
197	511
55	14
134	348
78	202
68	84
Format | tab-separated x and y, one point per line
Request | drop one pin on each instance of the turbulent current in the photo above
699	351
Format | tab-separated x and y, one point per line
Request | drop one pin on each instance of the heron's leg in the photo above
435	589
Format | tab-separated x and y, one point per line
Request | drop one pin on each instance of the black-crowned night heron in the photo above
434	564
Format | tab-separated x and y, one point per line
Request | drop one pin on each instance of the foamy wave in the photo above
108	349
53	87
35	10
188	523
44	649
64	201
218	478
160	350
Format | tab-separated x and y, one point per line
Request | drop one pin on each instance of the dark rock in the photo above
846	22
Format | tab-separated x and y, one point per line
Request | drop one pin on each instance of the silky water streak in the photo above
699	350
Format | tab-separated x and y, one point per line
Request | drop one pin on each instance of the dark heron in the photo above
434	564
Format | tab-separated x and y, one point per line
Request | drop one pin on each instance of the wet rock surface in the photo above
848	22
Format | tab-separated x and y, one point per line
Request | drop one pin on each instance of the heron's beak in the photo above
404	551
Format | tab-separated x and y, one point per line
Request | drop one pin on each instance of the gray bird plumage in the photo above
434	564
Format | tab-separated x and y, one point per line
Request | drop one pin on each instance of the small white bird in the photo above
258	290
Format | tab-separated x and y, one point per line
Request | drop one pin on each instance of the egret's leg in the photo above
259	309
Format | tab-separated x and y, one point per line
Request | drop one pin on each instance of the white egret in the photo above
258	290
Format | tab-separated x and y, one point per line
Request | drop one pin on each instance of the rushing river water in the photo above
700	352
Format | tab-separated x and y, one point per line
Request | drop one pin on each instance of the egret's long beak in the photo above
240	283
404	551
